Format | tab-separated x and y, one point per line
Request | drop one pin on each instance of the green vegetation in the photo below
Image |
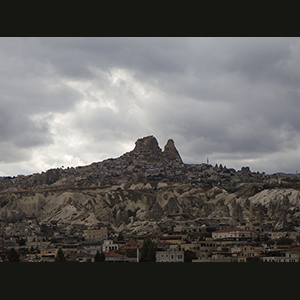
13	255
284	241
189	255
99	257
60	256
148	251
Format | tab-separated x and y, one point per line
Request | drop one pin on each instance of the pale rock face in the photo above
280	196
133	208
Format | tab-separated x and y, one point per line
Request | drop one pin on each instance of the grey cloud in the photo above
21	131
30	92
10	153
238	97
74	57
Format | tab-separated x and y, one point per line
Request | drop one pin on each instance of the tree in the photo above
120	237
99	257
148	251
189	255
60	256
284	241
13	255
254	259
22	242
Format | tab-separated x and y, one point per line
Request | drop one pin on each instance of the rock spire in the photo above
170	151
147	149
148	143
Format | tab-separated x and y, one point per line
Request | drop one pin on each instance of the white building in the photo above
289	257
108	245
232	233
95	234
291	234
170	256
90	249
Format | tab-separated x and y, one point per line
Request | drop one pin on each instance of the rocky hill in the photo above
150	188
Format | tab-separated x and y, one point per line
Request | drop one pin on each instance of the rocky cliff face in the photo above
142	205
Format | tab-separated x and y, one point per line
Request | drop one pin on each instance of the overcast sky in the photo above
74	101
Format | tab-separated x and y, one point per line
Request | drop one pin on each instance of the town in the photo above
29	241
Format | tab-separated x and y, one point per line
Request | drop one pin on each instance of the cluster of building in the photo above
119	171
131	167
232	244
40	243
83	248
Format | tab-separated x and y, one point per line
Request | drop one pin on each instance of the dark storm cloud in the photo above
223	97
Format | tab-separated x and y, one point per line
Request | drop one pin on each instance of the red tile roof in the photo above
113	254
132	242
294	249
163	243
131	247
82	254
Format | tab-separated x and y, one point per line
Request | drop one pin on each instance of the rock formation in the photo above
146	145
147	150
149	186
133	208
171	153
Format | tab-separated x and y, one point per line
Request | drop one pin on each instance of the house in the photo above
289	257
89	248
291	234
69	249
114	257
172	238
163	245
216	258
95	234
132	252
47	254
108	245
82	257
170	255
243	251
295	251
32	257
232	233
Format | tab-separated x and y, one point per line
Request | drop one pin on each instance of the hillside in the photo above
148	188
